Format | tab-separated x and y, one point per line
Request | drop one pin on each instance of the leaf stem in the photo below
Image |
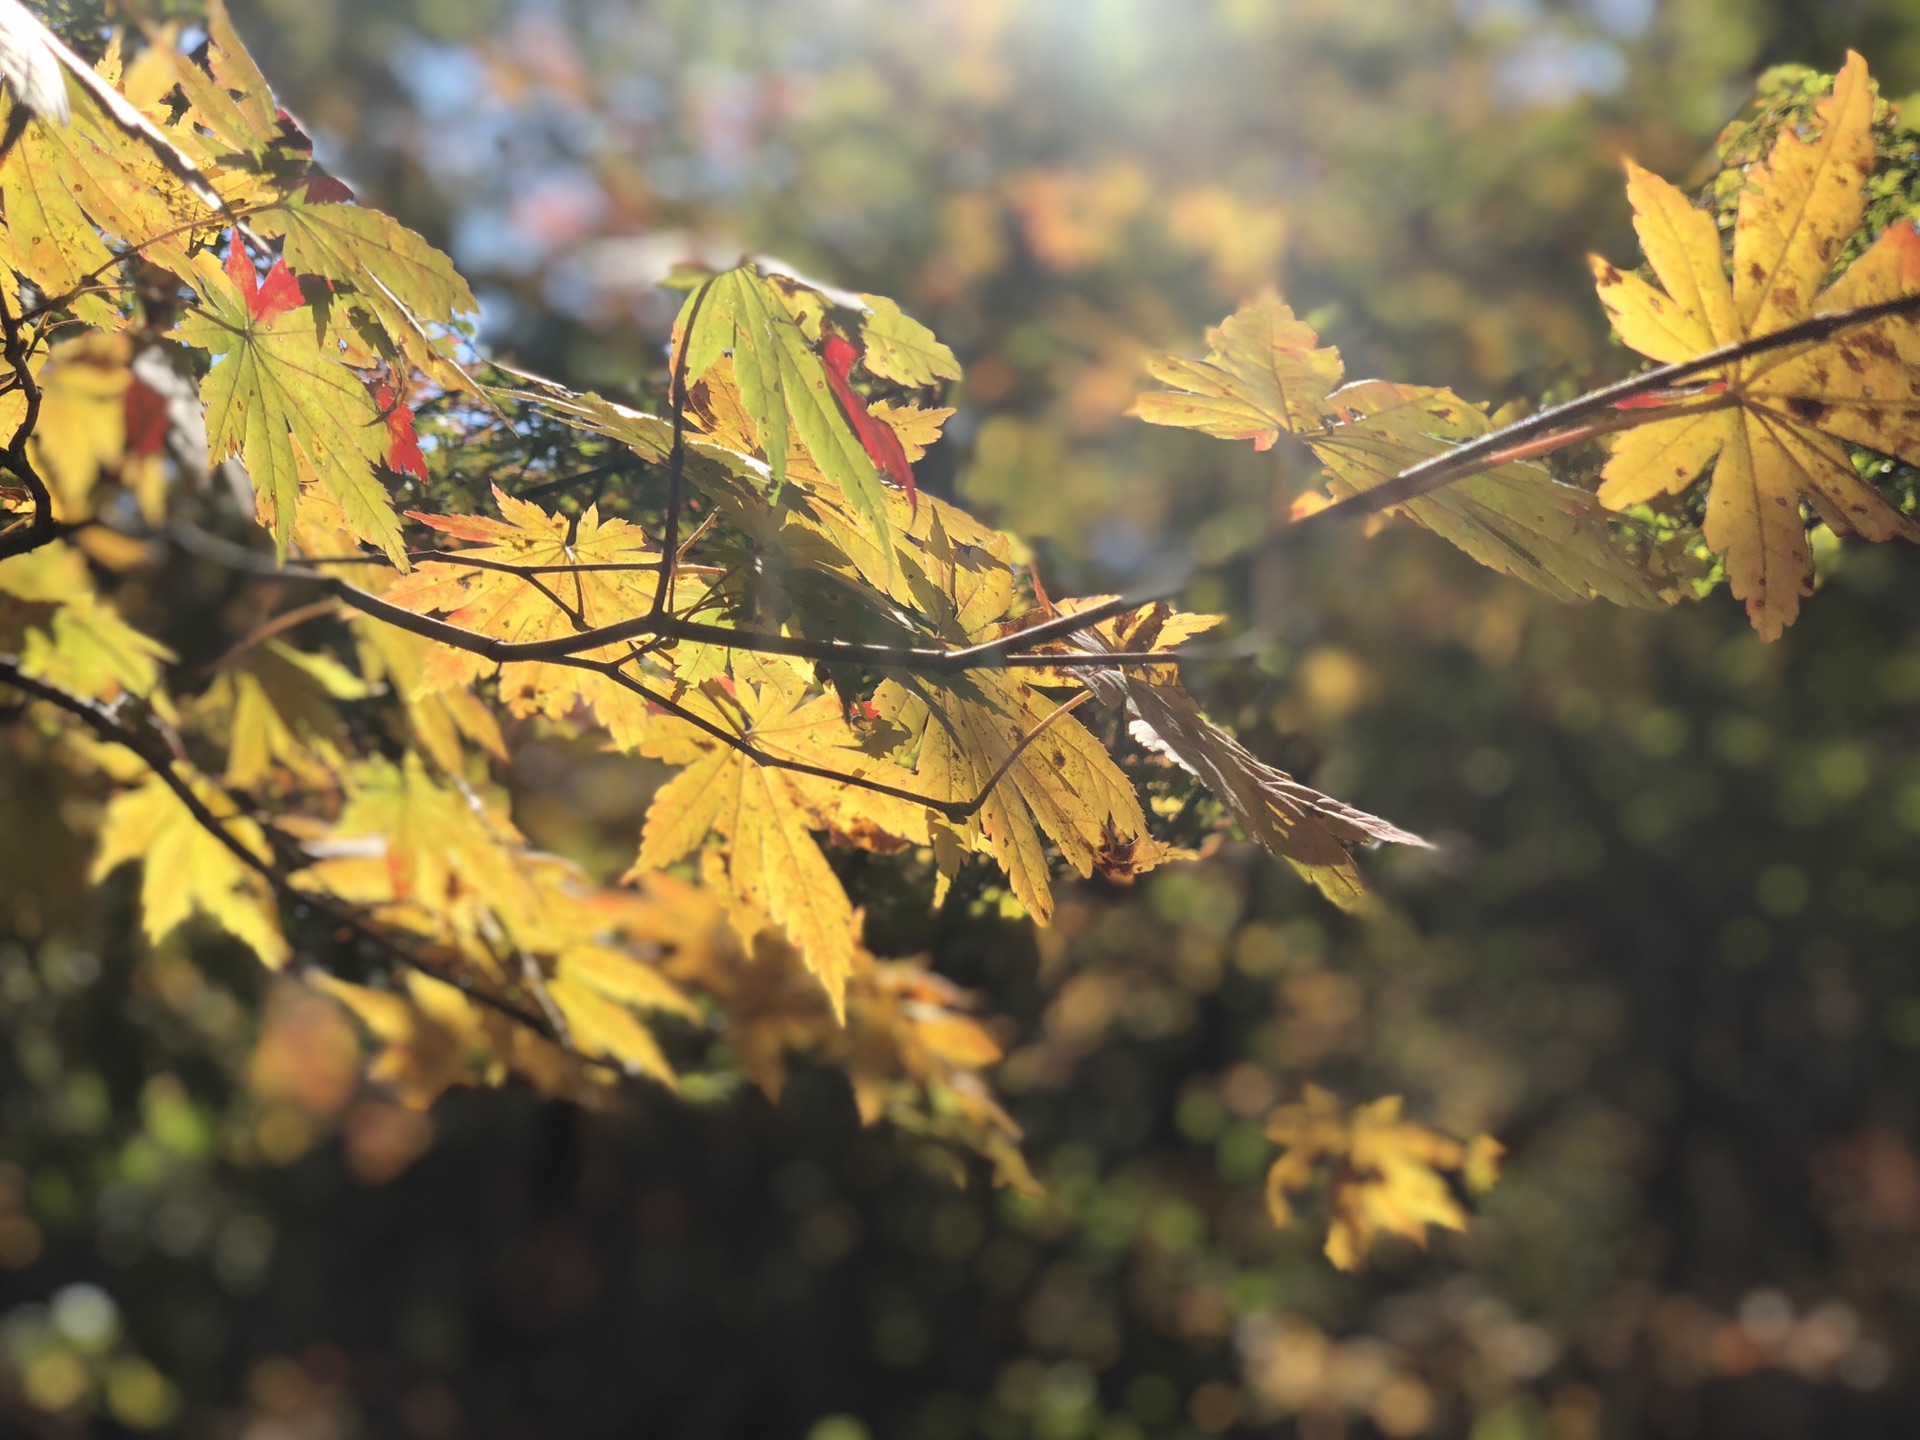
677	456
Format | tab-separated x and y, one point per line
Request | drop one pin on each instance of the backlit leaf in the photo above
1386	1171
292	411
901	349
187	871
1775	434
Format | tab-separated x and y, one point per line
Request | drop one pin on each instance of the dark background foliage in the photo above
1665	949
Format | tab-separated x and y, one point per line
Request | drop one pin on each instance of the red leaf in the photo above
146	419
324	189
403	441
240	268
280	293
876	438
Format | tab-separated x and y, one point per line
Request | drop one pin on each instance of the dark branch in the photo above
103	721
41	529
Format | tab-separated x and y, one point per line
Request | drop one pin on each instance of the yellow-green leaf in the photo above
901	349
1774	430
187	871
290	410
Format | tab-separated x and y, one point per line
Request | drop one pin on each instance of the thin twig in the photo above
1003	652
278	625
1483	453
103	722
955	810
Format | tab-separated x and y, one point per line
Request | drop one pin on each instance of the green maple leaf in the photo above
278	399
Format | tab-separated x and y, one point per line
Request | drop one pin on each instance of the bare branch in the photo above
40	530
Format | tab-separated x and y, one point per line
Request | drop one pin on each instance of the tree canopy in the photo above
681	724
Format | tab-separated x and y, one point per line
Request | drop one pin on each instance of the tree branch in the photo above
102	720
1487	451
40	530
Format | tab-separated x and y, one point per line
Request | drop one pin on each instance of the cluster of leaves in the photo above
814	647
822	652
1773	425
1386	1171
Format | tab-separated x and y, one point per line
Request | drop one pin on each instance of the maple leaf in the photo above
442	862
512	607
1515	519
431	1037
403	442
781	381
762	819
1386	1171
49	236
1063	786
435	857
66	634
290	410
1779	430
404	283
122	164
441	719
1266	375
266	299
81	430
279	705
901	349
909	1048
230	96
186	871
916	426
599	1023
1307	829
876	438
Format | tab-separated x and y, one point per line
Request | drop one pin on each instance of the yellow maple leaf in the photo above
916	426
440	718
598	1024
278	706
436	859
1063	786
762	818
82	427
1385	1171
1266	374
1778	432
67	634
431	1038
520	607
291	409
188	871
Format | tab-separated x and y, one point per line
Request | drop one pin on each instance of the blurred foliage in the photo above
1664	950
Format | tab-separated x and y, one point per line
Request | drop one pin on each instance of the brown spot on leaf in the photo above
1807	408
